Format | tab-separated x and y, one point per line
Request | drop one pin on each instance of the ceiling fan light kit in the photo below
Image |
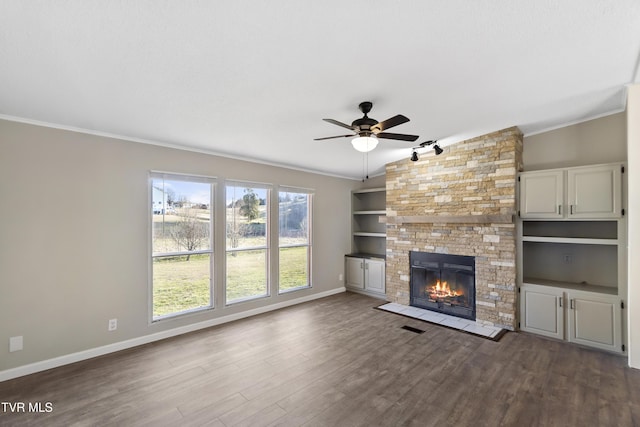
364	144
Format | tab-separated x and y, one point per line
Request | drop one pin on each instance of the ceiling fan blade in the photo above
400	136
389	123
335	122
331	137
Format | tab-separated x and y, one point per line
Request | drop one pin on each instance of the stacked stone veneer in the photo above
473	177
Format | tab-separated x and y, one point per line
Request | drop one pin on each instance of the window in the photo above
247	243
182	244
294	240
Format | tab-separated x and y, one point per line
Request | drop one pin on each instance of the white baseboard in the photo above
123	345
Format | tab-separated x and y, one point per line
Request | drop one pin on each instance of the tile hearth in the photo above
464	325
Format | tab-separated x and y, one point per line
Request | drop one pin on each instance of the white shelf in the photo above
369	234
381	212
588	287
571	240
370	190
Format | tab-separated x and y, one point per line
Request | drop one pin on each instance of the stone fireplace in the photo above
462	203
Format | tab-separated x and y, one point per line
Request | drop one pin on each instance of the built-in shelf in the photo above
367	256
600	289
370	190
369	234
382	212
572	240
368	230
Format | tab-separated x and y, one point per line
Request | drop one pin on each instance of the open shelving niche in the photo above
368	233
574	255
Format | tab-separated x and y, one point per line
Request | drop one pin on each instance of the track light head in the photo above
414	156
437	149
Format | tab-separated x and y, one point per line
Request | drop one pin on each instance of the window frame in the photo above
267	248
308	244
172	176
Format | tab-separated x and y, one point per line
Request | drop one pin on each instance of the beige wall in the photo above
601	140
633	146
74	237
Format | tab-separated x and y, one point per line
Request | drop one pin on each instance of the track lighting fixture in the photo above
436	148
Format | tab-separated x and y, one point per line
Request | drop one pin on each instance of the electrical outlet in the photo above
340	277
567	258
113	324
15	344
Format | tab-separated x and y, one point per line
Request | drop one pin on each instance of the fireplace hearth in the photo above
443	283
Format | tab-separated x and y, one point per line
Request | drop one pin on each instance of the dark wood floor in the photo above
336	362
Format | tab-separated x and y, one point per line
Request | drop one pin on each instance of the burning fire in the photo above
441	290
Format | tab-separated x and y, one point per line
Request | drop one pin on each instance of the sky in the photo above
200	192
194	192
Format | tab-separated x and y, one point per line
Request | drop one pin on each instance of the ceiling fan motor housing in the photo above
363	125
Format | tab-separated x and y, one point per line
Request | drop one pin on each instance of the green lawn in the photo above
181	285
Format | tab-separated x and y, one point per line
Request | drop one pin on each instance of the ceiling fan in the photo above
367	130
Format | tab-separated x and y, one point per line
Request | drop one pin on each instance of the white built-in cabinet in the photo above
588	318
541	309
572	255
365	265
365	274
588	192
541	194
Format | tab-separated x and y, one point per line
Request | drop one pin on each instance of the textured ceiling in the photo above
253	79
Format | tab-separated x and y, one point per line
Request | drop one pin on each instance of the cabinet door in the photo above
541	310
541	194
374	276
355	272
594	320
595	192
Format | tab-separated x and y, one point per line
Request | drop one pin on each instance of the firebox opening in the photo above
443	283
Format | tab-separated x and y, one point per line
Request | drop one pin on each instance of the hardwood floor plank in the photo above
302	406
210	408
262	418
